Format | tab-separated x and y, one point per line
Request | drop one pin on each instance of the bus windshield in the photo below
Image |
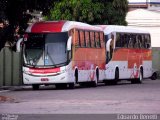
42	50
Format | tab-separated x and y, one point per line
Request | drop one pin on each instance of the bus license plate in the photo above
44	79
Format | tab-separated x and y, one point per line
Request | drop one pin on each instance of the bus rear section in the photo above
128	54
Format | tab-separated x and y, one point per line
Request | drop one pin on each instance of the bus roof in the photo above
58	26
116	28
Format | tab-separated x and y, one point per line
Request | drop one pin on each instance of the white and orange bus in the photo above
128	54
63	53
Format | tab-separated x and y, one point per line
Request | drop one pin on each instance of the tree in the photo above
77	10
90	11
120	8
15	12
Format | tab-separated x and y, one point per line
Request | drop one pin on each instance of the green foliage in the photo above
77	10
90	11
115	12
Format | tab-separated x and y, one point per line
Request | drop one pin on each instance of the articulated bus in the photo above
128	54
63	53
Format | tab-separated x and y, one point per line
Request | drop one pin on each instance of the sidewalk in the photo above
12	88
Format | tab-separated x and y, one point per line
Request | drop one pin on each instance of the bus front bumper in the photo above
61	78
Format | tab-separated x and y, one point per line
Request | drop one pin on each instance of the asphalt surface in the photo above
111	99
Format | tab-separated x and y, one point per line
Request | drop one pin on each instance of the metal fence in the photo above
156	59
10	68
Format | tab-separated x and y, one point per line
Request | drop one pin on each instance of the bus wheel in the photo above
57	86
35	87
76	76
139	80
71	85
110	82
133	81
154	76
114	82
61	86
107	82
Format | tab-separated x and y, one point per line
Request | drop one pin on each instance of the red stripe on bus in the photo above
44	70
41	27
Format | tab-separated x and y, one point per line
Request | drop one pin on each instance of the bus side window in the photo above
87	38
139	40
148	41
82	39
85	42
126	40
77	39
130	41
143	42
122	40
101	39
97	39
136	41
92	39
118	40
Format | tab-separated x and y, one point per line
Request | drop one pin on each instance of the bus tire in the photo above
108	82
154	76
116	77
133	81
71	85
76	76
58	86
139	80
61	86
35	87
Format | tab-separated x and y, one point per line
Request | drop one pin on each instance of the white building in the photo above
145	14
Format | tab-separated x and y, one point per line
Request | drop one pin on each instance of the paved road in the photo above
121	98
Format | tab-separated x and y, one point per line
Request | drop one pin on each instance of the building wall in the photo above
147	18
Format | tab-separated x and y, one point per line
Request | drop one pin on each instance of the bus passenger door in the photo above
109	49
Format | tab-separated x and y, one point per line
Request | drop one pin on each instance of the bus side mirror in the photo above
18	45
69	43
